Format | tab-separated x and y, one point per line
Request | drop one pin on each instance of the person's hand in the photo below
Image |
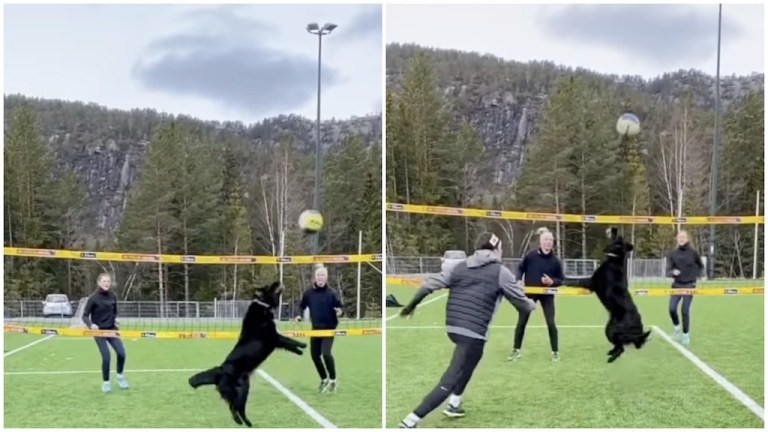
298	318
338	311
546	280
117	320
94	327
676	272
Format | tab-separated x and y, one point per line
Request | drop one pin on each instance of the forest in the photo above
83	177
472	131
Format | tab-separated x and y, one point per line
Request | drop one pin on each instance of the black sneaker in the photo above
323	386
515	355
454	412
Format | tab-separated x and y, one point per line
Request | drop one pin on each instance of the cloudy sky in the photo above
241	62
645	40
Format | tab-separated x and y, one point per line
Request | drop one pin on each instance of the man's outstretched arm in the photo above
431	284
514	291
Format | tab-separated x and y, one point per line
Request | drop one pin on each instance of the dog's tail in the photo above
642	339
585	282
208	377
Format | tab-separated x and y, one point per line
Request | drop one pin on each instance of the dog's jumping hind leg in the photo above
642	339
235	415
617	352
242	399
240	409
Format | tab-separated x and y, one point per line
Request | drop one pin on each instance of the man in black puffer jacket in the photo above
476	288
684	266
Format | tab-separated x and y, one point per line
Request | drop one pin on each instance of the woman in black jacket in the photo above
684	266
540	268
324	308
101	314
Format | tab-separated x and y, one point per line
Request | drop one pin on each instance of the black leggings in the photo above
117	345
674	300
548	306
466	356
320	348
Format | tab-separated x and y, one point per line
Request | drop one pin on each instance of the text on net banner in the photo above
188	259
571	291
554	217
136	334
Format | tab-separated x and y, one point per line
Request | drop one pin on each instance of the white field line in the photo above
21	348
719	379
311	412
435	327
432	300
316	416
96	371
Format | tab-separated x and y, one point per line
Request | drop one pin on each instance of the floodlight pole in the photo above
715	155
314	29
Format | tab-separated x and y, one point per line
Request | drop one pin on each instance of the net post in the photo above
359	268
280	268
757	233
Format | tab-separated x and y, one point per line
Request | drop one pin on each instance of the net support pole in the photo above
359	269
715	149
757	233
280	269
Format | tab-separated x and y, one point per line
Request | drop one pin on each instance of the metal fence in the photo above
13	309
639	268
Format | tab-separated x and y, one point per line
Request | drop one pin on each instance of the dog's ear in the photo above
614	232
629	247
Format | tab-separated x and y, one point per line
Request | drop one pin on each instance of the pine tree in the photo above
741	176
28	191
194	204
150	223
236	237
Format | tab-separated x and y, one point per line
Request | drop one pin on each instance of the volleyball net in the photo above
420	239
183	296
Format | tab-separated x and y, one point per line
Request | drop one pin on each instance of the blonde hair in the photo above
542	230
321	269
102	275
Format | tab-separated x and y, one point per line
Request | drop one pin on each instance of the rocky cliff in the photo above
106	147
503	99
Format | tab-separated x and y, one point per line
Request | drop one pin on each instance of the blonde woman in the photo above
324	311
684	267
101	314
540	268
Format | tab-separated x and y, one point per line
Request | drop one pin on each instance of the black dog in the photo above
609	283
258	339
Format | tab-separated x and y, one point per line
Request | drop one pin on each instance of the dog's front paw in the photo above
301	344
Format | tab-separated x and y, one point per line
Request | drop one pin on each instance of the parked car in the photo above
451	258
57	305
